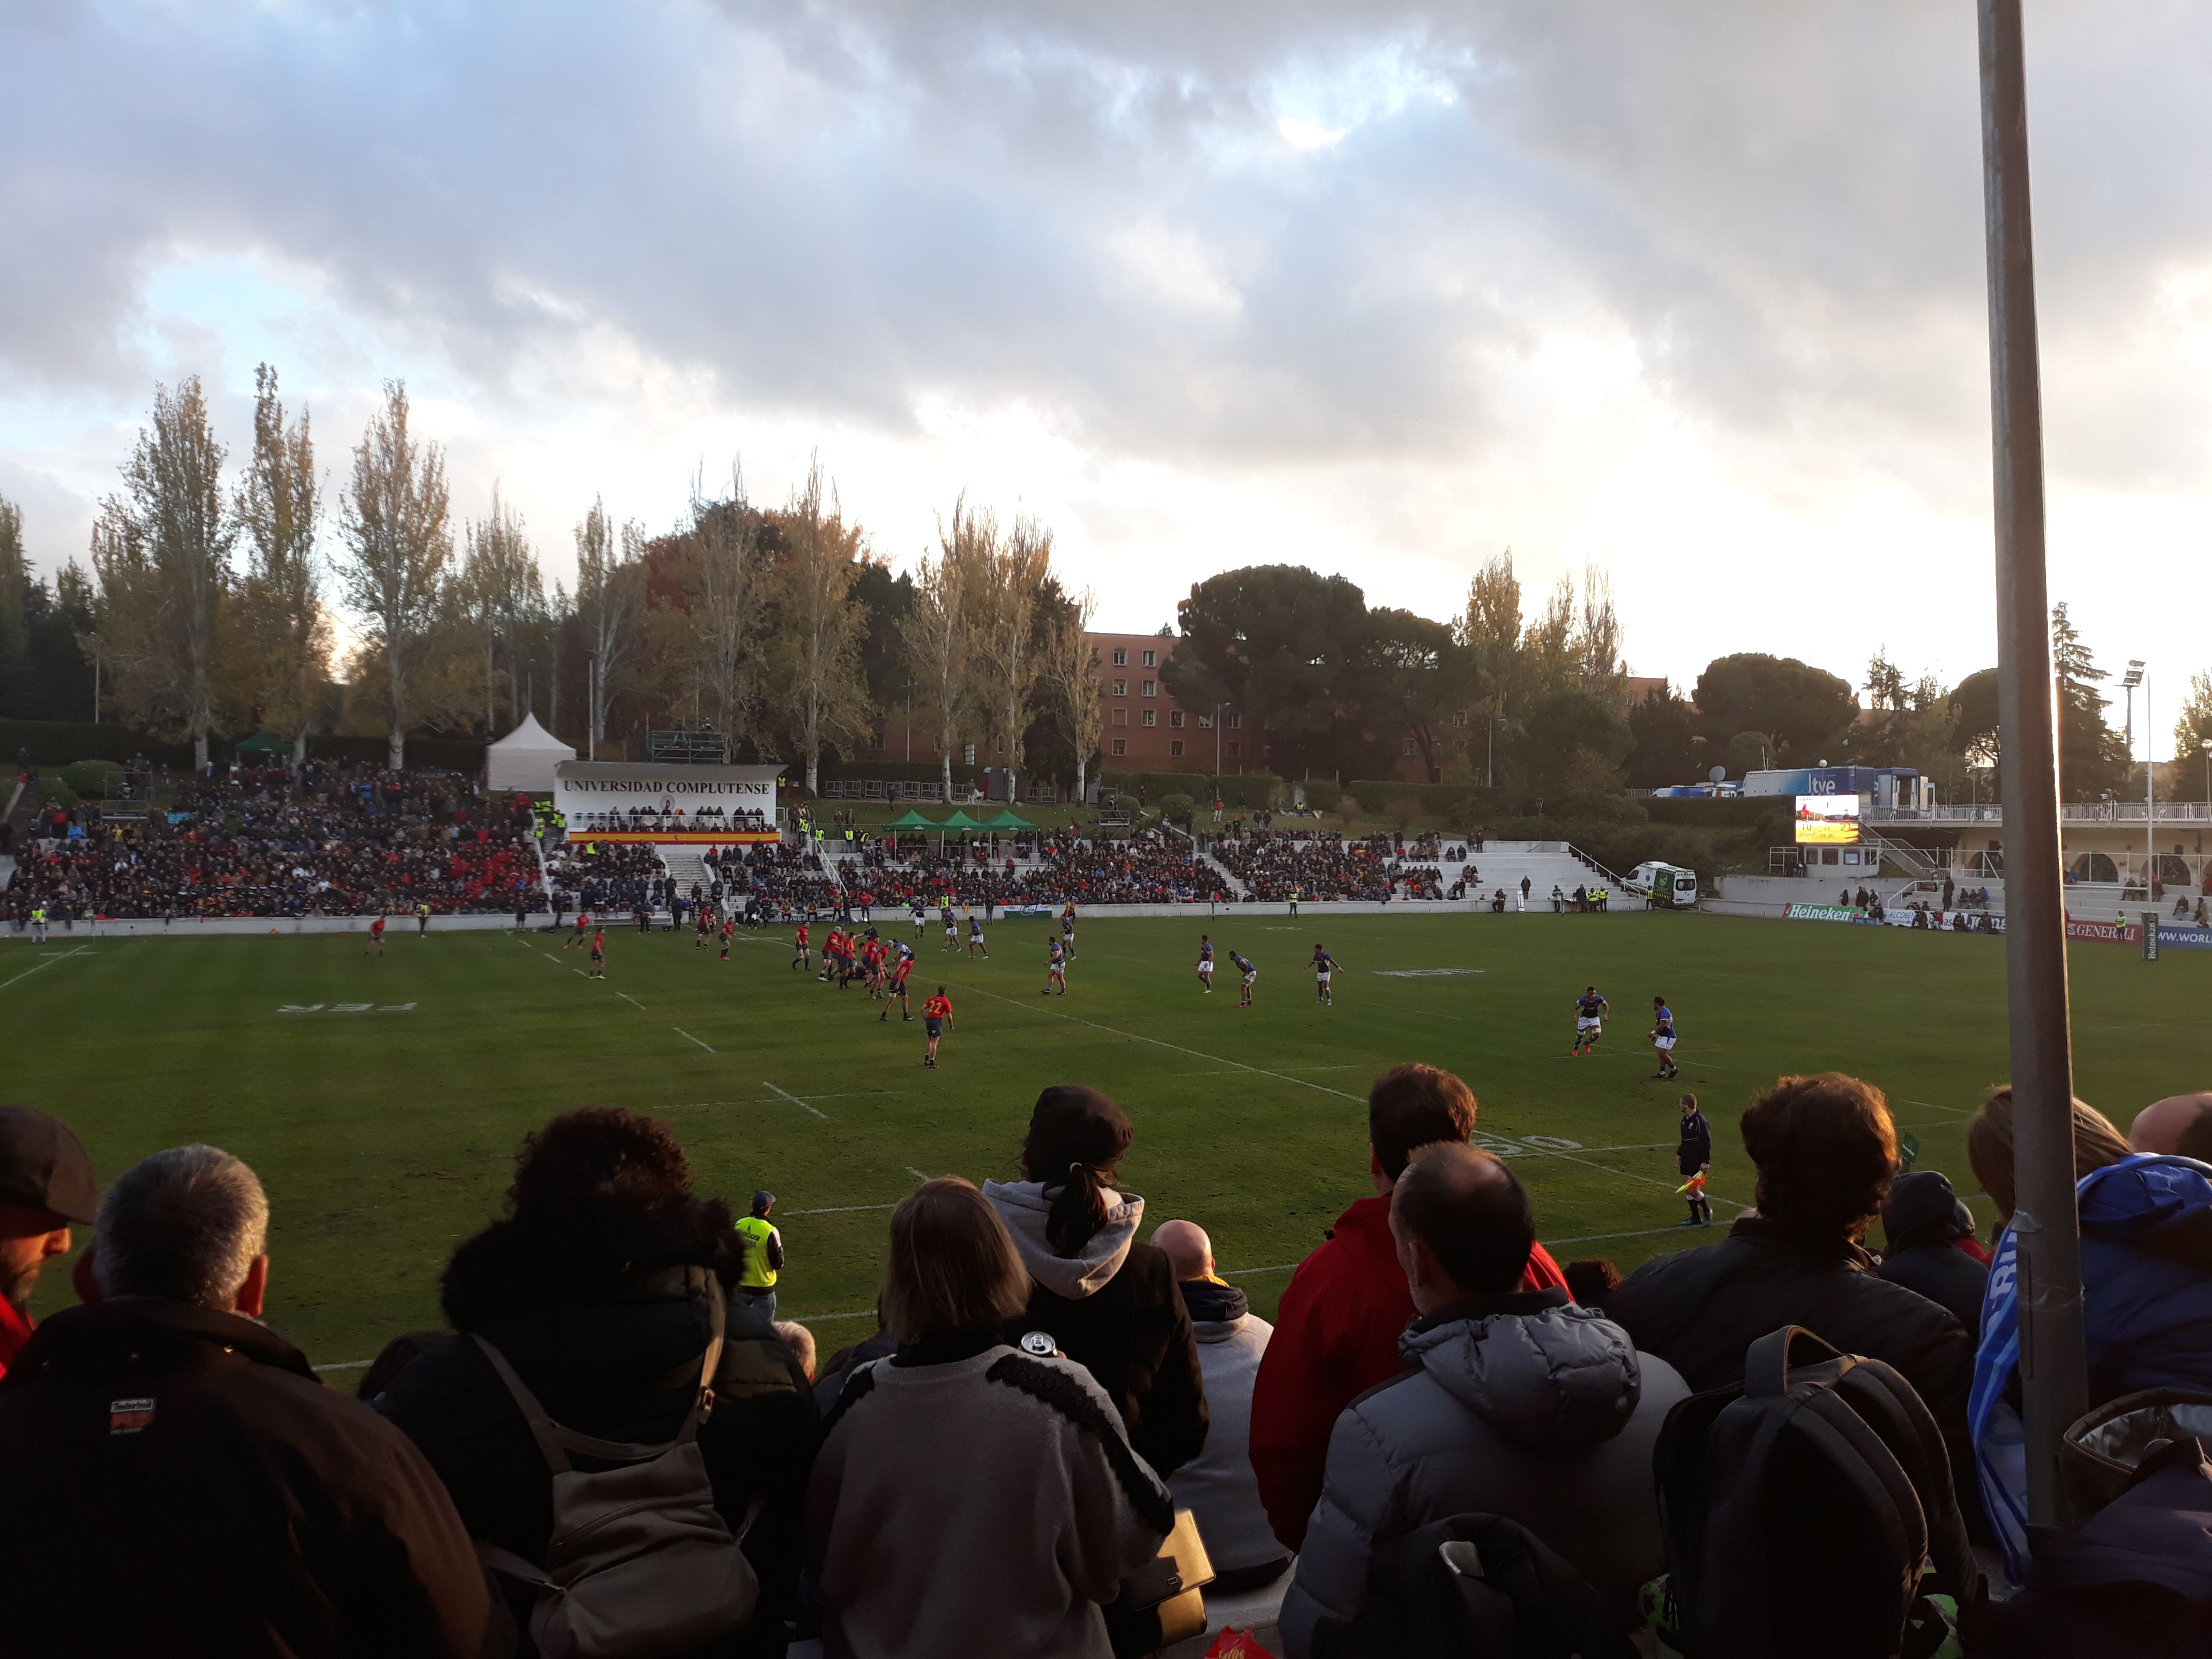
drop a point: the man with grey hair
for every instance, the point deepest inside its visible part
(181, 1469)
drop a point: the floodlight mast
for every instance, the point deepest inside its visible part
(2053, 1368)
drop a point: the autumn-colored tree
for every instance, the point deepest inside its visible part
(161, 552)
(398, 544)
(815, 646)
(285, 631)
(610, 607)
(937, 630)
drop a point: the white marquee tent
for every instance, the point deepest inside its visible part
(525, 758)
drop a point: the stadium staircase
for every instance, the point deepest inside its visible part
(1229, 883)
(688, 865)
(1546, 863)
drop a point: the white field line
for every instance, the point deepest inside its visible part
(1645, 1232)
(915, 1173)
(776, 1099)
(687, 1036)
(840, 1209)
(1159, 1042)
(632, 1000)
(62, 955)
(1956, 1111)
(1283, 1076)
(792, 1099)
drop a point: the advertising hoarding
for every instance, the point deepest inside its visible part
(647, 800)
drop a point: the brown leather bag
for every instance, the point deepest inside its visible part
(641, 1563)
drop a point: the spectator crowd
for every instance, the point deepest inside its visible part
(613, 1447)
(1275, 865)
(339, 839)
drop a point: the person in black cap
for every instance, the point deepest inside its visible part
(1105, 1298)
(45, 1184)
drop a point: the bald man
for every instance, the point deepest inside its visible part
(1517, 1403)
(1218, 1485)
(2175, 1125)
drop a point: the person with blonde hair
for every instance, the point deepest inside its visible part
(2146, 1221)
(1989, 1146)
(971, 1497)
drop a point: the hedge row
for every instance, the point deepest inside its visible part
(1244, 791)
(57, 743)
(53, 743)
(1456, 801)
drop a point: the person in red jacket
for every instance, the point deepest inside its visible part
(45, 1184)
(1337, 1329)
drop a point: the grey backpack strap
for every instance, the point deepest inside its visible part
(710, 1362)
(542, 1427)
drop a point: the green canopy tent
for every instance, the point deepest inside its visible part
(1009, 819)
(263, 742)
(912, 820)
(959, 820)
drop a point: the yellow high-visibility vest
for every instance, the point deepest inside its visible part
(757, 1230)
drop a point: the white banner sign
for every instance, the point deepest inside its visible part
(584, 789)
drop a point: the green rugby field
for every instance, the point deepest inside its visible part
(382, 1100)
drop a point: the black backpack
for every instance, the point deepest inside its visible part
(1473, 1587)
(1800, 1508)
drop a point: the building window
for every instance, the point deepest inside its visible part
(969, 755)
(1206, 722)
(1175, 718)
(1151, 687)
(1121, 657)
(1152, 717)
(997, 745)
(1235, 750)
(1151, 659)
(1175, 749)
(1121, 717)
(1459, 720)
(1121, 688)
(1408, 748)
(1233, 722)
(1121, 746)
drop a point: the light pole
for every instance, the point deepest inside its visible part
(2129, 681)
(2150, 797)
(2046, 1233)
(2207, 747)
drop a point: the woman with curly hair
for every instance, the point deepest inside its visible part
(602, 1287)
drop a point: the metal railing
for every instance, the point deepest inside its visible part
(2086, 812)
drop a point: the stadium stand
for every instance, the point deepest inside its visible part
(342, 840)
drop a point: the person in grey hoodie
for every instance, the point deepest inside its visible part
(1519, 1404)
(1218, 1486)
(1105, 1298)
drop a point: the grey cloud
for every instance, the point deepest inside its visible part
(837, 209)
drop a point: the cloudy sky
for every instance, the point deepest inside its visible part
(1690, 290)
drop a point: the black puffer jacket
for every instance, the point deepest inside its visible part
(607, 1320)
(1115, 1308)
